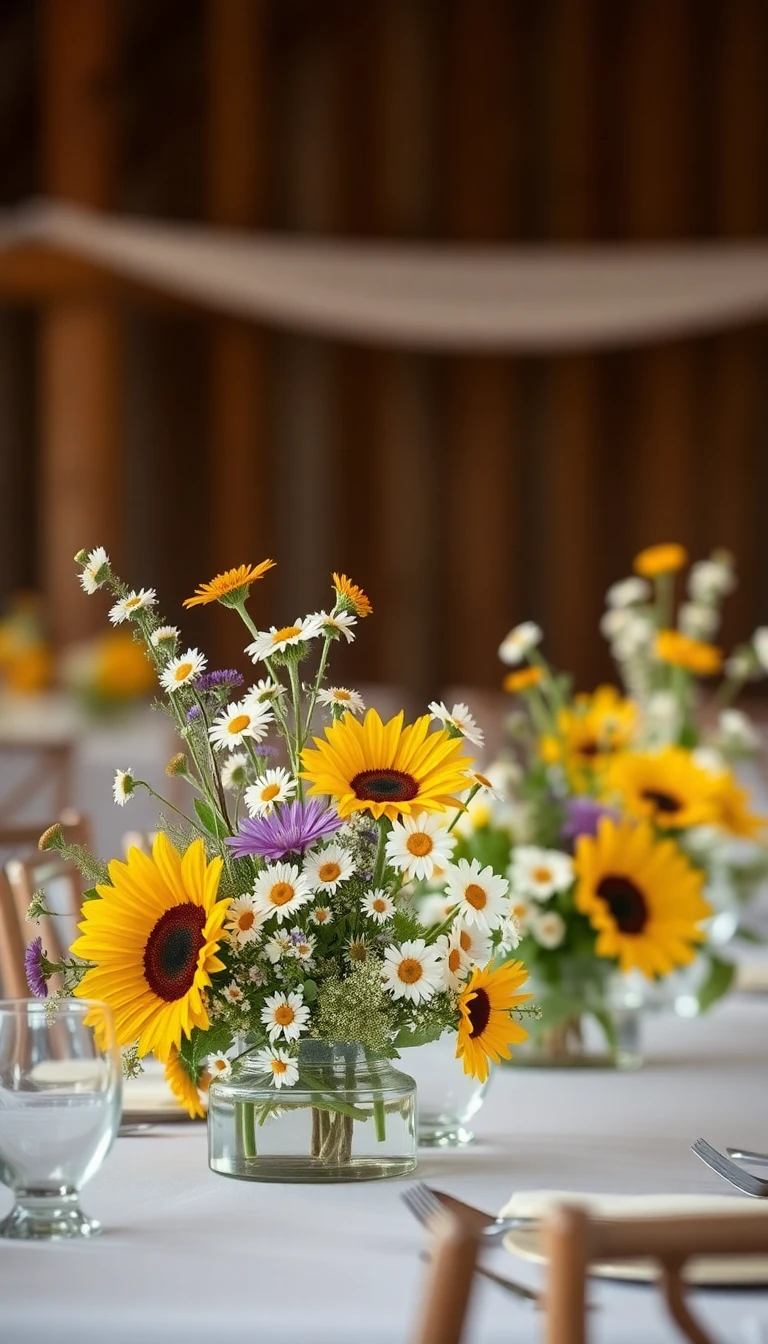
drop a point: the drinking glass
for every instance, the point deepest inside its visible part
(60, 1099)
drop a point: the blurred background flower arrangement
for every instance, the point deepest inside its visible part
(629, 843)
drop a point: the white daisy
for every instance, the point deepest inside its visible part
(760, 645)
(266, 689)
(480, 894)
(435, 908)
(127, 607)
(697, 620)
(281, 890)
(549, 929)
(95, 571)
(278, 946)
(302, 946)
(740, 666)
(519, 642)
(737, 730)
(340, 624)
(281, 1065)
(709, 580)
(456, 964)
(475, 942)
(378, 905)
(458, 718)
(614, 622)
(276, 786)
(540, 872)
(164, 634)
(243, 920)
(325, 868)
(219, 1064)
(234, 771)
(412, 971)
(339, 697)
(278, 639)
(321, 914)
(285, 1015)
(511, 934)
(416, 844)
(123, 786)
(627, 592)
(233, 993)
(243, 718)
(486, 784)
(523, 912)
(180, 671)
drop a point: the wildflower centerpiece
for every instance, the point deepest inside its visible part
(629, 844)
(269, 950)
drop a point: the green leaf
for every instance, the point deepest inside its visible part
(91, 895)
(195, 1049)
(407, 1037)
(718, 982)
(751, 936)
(310, 991)
(208, 818)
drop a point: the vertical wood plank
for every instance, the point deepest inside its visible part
(79, 344)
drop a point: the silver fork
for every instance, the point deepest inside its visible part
(425, 1203)
(437, 1210)
(722, 1165)
(745, 1155)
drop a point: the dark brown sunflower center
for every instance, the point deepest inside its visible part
(589, 749)
(385, 786)
(626, 903)
(663, 802)
(479, 1009)
(170, 956)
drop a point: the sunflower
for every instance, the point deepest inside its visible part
(486, 1027)
(656, 560)
(181, 1085)
(732, 812)
(231, 588)
(666, 787)
(386, 769)
(516, 682)
(703, 660)
(351, 597)
(153, 937)
(641, 895)
(590, 733)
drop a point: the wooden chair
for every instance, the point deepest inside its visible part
(572, 1241)
(21, 879)
(449, 1283)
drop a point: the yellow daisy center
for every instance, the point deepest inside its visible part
(379, 905)
(409, 971)
(465, 939)
(220, 1065)
(357, 950)
(270, 792)
(132, 602)
(321, 916)
(182, 671)
(281, 893)
(284, 1015)
(302, 949)
(341, 695)
(476, 896)
(542, 875)
(239, 722)
(481, 779)
(245, 920)
(419, 844)
(454, 960)
(287, 632)
(518, 909)
(278, 1066)
(329, 872)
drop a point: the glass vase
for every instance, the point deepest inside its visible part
(448, 1097)
(351, 1116)
(589, 1019)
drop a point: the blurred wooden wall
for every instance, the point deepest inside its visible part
(465, 494)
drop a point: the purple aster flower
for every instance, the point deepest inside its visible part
(193, 713)
(33, 965)
(289, 829)
(266, 750)
(211, 681)
(583, 816)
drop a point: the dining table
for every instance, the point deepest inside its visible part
(190, 1256)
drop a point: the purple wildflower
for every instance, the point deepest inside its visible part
(583, 816)
(193, 713)
(289, 829)
(298, 936)
(33, 965)
(225, 676)
(266, 750)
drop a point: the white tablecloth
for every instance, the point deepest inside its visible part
(191, 1257)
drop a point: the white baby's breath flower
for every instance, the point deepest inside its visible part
(278, 639)
(181, 671)
(127, 607)
(412, 971)
(275, 786)
(95, 571)
(378, 905)
(710, 580)
(416, 844)
(243, 719)
(234, 771)
(340, 698)
(697, 620)
(742, 664)
(281, 890)
(243, 920)
(123, 786)
(628, 592)
(325, 868)
(280, 1065)
(549, 929)
(614, 621)
(164, 634)
(458, 719)
(760, 646)
(480, 895)
(540, 872)
(338, 625)
(516, 646)
(635, 636)
(737, 730)
(285, 1015)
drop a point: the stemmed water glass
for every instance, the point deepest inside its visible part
(60, 1099)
